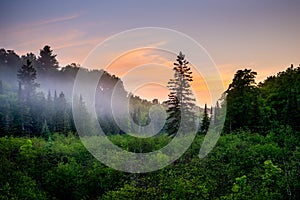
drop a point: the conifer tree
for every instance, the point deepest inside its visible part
(62, 116)
(47, 60)
(27, 76)
(27, 86)
(181, 103)
(45, 132)
(205, 121)
(216, 112)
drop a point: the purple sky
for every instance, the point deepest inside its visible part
(258, 34)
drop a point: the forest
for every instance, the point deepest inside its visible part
(42, 157)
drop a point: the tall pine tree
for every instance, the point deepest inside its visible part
(181, 103)
(48, 63)
(27, 85)
(205, 121)
(27, 76)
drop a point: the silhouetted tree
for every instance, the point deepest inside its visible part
(62, 116)
(205, 121)
(27, 76)
(47, 60)
(174, 115)
(27, 86)
(240, 99)
(9, 66)
(181, 101)
(216, 113)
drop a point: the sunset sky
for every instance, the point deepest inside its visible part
(259, 34)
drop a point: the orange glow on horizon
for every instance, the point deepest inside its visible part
(131, 65)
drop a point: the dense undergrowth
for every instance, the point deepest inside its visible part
(242, 165)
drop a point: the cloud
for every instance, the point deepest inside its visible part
(19, 30)
(56, 20)
(69, 42)
(121, 65)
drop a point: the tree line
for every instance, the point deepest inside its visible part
(35, 96)
(36, 93)
(264, 106)
(257, 157)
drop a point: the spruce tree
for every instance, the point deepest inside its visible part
(173, 120)
(27, 76)
(27, 85)
(47, 60)
(181, 103)
(216, 112)
(205, 121)
(45, 132)
(62, 119)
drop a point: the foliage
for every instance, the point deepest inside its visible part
(42, 157)
(259, 108)
(205, 121)
(241, 166)
(181, 104)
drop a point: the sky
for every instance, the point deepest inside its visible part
(259, 34)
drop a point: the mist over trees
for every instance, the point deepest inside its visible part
(42, 157)
(38, 83)
(44, 89)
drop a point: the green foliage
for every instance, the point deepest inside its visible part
(241, 95)
(205, 121)
(68, 174)
(241, 166)
(181, 103)
(240, 188)
(272, 182)
(262, 107)
(259, 159)
(47, 61)
(27, 77)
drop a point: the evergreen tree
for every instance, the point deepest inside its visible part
(27, 76)
(5, 115)
(181, 103)
(50, 113)
(173, 120)
(47, 60)
(205, 121)
(216, 112)
(84, 121)
(55, 97)
(49, 98)
(9, 65)
(45, 130)
(62, 116)
(27, 86)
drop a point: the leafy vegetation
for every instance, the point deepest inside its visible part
(243, 165)
(261, 107)
(42, 157)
